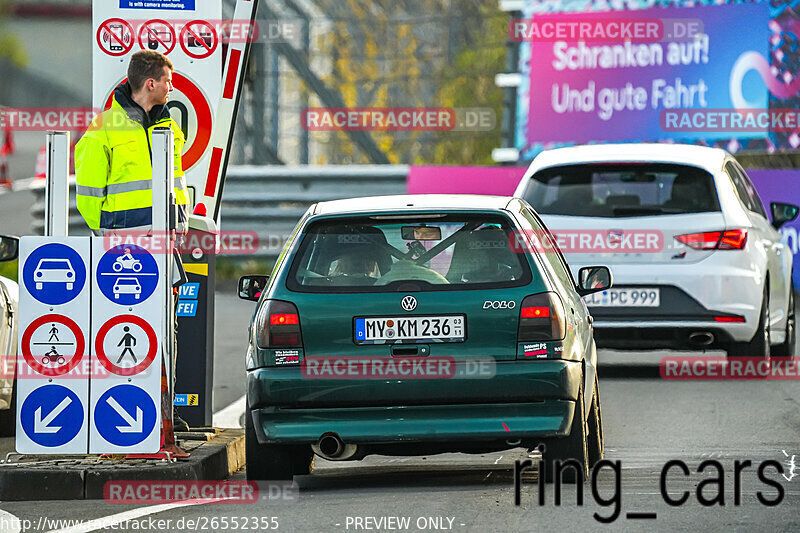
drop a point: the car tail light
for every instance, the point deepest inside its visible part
(729, 318)
(542, 318)
(278, 325)
(733, 239)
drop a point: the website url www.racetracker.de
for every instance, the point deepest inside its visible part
(148, 523)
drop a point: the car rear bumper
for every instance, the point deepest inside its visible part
(523, 399)
(661, 335)
(420, 423)
(692, 294)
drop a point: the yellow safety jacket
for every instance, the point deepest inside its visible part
(113, 165)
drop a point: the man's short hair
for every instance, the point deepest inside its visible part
(146, 64)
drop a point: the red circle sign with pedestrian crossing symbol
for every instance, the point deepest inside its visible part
(53, 345)
(115, 37)
(126, 345)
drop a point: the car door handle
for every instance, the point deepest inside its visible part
(590, 319)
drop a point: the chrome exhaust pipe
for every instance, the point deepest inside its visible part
(331, 447)
(701, 338)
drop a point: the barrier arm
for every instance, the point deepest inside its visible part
(208, 202)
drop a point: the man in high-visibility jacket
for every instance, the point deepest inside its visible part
(113, 159)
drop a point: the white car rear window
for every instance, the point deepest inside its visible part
(622, 190)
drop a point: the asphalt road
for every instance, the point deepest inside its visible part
(648, 422)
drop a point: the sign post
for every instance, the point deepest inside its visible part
(131, 323)
(52, 375)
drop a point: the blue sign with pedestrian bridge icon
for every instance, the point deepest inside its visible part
(54, 274)
(125, 415)
(51, 416)
(127, 274)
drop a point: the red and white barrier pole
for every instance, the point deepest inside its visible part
(208, 201)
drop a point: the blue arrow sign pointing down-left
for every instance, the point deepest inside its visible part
(51, 415)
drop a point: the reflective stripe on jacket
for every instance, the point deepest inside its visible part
(113, 165)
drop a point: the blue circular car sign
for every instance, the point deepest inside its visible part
(125, 415)
(127, 274)
(51, 415)
(54, 274)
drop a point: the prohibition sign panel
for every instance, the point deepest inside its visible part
(138, 332)
(199, 39)
(196, 147)
(57, 360)
(158, 35)
(115, 37)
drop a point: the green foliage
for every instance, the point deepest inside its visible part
(426, 53)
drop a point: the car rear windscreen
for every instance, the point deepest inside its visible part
(425, 252)
(622, 190)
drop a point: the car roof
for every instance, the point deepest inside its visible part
(412, 202)
(705, 157)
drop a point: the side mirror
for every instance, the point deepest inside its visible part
(9, 248)
(594, 279)
(782, 213)
(250, 287)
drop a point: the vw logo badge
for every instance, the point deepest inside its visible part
(408, 303)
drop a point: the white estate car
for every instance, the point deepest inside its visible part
(695, 259)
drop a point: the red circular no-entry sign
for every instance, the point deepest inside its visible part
(202, 110)
(74, 359)
(115, 37)
(199, 39)
(152, 347)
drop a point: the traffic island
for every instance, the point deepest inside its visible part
(213, 455)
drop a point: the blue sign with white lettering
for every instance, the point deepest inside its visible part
(189, 291)
(125, 415)
(54, 274)
(51, 415)
(127, 274)
(180, 5)
(186, 308)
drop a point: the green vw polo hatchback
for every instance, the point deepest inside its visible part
(410, 325)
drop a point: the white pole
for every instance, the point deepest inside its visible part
(163, 226)
(56, 193)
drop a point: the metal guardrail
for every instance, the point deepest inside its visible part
(270, 199)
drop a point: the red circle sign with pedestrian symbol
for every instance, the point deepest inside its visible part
(126, 345)
(158, 35)
(199, 39)
(53, 345)
(196, 143)
(115, 37)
